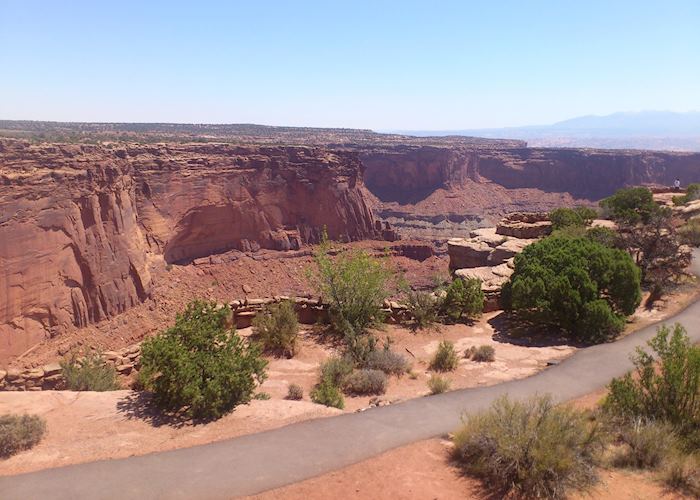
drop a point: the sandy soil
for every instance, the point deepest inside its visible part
(423, 470)
(88, 426)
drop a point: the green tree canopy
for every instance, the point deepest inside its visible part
(201, 366)
(631, 205)
(576, 284)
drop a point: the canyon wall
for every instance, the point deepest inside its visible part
(79, 223)
(71, 250)
(407, 174)
(443, 192)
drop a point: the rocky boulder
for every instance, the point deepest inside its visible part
(525, 225)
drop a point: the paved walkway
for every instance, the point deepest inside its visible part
(258, 462)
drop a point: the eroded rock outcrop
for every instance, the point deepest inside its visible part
(71, 250)
(79, 222)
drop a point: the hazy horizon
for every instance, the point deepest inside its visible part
(401, 66)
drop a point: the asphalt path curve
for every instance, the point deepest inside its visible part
(257, 462)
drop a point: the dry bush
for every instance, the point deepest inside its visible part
(366, 382)
(529, 449)
(20, 432)
(445, 358)
(682, 473)
(295, 392)
(438, 384)
(645, 445)
(388, 361)
(484, 354)
(278, 328)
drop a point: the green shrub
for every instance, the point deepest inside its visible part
(566, 217)
(335, 370)
(262, 396)
(20, 432)
(90, 373)
(645, 444)
(438, 384)
(445, 358)
(575, 284)
(463, 299)
(354, 285)
(365, 382)
(669, 393)
(277, 327)
(423, 308)
(327, 394)
(631, 205)
(201, 366)
(682, 473)
(388, 361)
(689, 234)
(484, 354)
(295, 392)
(530, 449)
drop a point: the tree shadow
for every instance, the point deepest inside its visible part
(511, 329)
(141, 406)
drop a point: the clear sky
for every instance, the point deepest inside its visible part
(375, 64)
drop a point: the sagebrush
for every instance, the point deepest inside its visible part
(277, 328)
(438, 384)
(445, 358)
(365, 382)
(295, 392)
(530, 449)
(20, 432)
(388, 361)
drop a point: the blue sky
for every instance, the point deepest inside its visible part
(381, 65)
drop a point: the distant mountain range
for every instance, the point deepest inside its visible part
(660, 130)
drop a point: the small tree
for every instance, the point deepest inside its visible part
(355, 285)
(277, 327)
(566, 217)
(630, 205)
(463, 299)
(657, 250)
(670, 393)
(200, 365)
(575, 284)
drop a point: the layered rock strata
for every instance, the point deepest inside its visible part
(79, 223)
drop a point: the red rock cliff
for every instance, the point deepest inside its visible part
(79, 222)
(409, 174)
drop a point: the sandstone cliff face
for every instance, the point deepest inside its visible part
(194, 201)
(79, 223)
(71, 251)
(408, 174)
